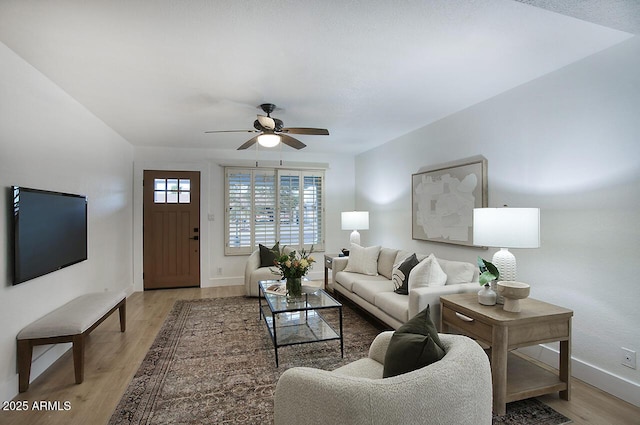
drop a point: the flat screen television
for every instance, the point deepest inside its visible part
(50, 231)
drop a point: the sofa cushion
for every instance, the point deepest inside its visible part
(427, 273)
(368, 288)
(457, 271)
(347, 279)
(386, 260)
(363, 260)
(267, 255)
(413, 345)
(400, 275)
(395, 305)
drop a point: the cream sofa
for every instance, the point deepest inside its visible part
(253, 273)
(455, 390)
(375, 293)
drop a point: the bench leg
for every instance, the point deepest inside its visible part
(25, 351)
(78, 357)
(123, 316)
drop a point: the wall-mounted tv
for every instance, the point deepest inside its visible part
(50, 231)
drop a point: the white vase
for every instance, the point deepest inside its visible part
(487, 296)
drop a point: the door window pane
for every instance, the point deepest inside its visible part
(172, 191)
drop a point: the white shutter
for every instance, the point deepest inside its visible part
(264, 202)
(263, 206)
(238, 217)
(289, 207)
(313, 208)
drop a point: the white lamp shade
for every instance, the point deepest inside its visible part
(268, 140)
(506, 227)
(355, 220)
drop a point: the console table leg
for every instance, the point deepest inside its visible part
(565, 366)
(499, 369)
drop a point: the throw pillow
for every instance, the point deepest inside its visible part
(427, 273)
(422, 324)
(414, 345)
(409, 352)
(457, 271)
(401, 273)
(268, 256)
(363, 260)
(386, 260)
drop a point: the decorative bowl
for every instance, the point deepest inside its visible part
(513, 292)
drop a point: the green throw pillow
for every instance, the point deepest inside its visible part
(267, 255)
(408, 352)
(413, 345)
(422, 324)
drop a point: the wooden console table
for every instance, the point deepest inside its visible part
(538, 322)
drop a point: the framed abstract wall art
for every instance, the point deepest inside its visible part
(443, 198)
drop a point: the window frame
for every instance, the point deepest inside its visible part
(248, 198)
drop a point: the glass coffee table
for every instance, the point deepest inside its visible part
(299, 322)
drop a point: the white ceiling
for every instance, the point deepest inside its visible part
(161, 72)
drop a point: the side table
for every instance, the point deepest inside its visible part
(537, 322)
(328, 264)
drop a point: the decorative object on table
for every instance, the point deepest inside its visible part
(293, 267)
(506, 228)
(355, 220)
(489, 274)
(513, 292)
(443, 199)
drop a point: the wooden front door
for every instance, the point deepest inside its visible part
(171, 229)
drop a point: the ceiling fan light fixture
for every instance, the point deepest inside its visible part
(268, 140)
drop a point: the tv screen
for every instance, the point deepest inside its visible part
(50, 231)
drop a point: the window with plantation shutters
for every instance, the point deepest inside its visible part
(267, 205)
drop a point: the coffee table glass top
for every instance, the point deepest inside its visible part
(312, 299)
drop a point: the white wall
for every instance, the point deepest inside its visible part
(49, 141)
(568, 143)
(339, 192)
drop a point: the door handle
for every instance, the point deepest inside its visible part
(195, 238)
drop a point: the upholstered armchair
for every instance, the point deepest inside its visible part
(453, 390)
(253, 272)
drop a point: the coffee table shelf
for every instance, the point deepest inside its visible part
(300, 322)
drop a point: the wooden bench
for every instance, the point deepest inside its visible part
(71, 322)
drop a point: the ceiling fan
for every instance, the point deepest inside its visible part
(272, 131)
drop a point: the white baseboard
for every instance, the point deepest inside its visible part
(592, 375)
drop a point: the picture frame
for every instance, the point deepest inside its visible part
(443, 198)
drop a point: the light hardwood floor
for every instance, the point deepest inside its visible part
(112, 358)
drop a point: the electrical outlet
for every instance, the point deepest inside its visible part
(219, 271)
(628, 358)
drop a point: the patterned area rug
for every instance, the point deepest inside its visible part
(213, 362)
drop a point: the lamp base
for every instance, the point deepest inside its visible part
(505, 261)
(355, 237)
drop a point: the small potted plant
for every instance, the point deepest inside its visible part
(488, 274)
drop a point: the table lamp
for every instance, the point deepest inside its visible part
(355, 220)
(506, 228)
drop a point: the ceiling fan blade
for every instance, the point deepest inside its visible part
(306, 130)
(267, 122)
(232, 131)
(290, 141)
(248, 143)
